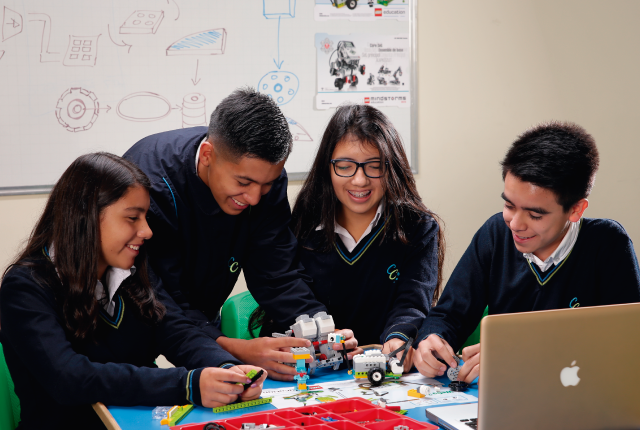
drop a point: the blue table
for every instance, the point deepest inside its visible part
(139, 417)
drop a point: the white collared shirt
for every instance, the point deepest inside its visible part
(561, 251)
(349, 242)
(114, 277)
(198, 153)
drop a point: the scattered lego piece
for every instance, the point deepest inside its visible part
(240, 405)
(402, 412)
(414, 393)
(458, 386)
(328, 419)
(428, 390)
(214, 426)
(401, 428)
(176, 414)
(393, 408)
(254, 376)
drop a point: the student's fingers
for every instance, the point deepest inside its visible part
(217, 400)
(356, 351)
(430, 348)
(469, 367)
(279, 376)
(287, 342)
(443, 350)
(408, 361)
(281, 356)
(350, 342)
(470, 351)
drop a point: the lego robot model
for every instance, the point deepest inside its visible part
(395, 80)
(346, 65)
(371, 80)
(376, 366)
(320, 331)
(350, 4)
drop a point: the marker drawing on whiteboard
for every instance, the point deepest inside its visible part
(142, 22)
(77, 109)
(297, 131)
(117, 44)
(1, 54)
(272, 9)
(82, 51)
(208, 42)
(194, 111)
(280, 86)
(11, 23)
(196, 80)
(45, 55)
(143, 106)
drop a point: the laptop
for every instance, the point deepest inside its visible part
(559, 369)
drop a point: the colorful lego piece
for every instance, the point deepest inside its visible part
(176, 414)
(414, 393)
(240, 405)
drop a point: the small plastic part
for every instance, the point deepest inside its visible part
(240, 405)
(452, 373)
(415, 393)
(458, 386)
(176, 414)
(160, 412)
(393, 408)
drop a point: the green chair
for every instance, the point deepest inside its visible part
(235, 315)
(9, 403)
(475, 336)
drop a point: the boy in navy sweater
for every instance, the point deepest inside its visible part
(539, 254)
(218, 206)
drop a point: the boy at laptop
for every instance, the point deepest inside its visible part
(538, 254)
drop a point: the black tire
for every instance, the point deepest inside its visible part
(351, 4)
(376, 376)
(339, 83)
(354, 80)
(362, 69)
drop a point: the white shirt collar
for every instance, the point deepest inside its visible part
(561, 251)
(349, 242)
(198, 153)
(114, 277)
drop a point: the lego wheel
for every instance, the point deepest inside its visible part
(362, 69)
(354, 80)
(339, 83)
(351, 4)
(375, 376)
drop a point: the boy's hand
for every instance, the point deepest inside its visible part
(471, 368)
(393, 344)
(217, 386)
(253, 392)
(425, 357)
(350, 342)
(266, 352)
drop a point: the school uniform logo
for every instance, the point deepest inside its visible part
(234, 266)
(574, 303)
(393, 272)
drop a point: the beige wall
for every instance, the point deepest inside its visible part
(488, 70)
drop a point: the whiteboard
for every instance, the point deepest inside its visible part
(79, 76)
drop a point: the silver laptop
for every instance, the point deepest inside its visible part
(561, 369)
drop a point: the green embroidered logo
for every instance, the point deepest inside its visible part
(574, 303)
(393, 273)
(233, 265)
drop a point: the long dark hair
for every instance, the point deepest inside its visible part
(71, 223)
(317, 203)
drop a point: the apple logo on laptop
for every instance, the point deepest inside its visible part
(569, 375)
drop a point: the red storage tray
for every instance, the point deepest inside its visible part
(308, 418)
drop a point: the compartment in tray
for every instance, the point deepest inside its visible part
(348, 405)
(306, 421)
(317, 427)
(410, 423)
(257, 419)
(311, 410)
(287, 415)
(371, 416)
(200, 426)
(333, 417)
(345, 425)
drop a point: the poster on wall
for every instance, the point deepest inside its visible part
(362, 68)
(362, 10)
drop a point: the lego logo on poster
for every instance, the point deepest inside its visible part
(314, 387)
(378, 12)
(394, 12)
(367, 100)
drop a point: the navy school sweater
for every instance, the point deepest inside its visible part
(383, 288)
(197, 250)
(57, 377)
(601, 269)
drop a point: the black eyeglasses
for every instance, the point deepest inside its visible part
(348, 168)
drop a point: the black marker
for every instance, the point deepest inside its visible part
(254, 379)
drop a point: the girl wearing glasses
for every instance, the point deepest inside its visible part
(81, 322)
(372, 247)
